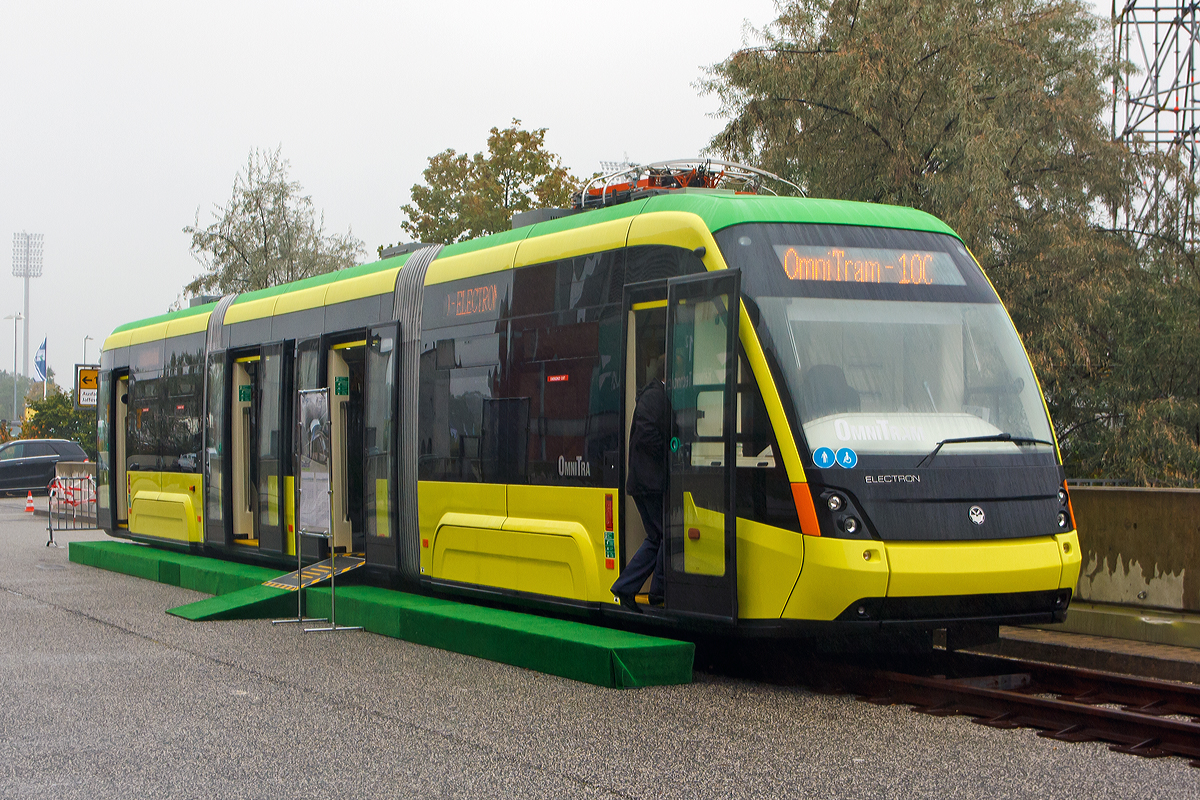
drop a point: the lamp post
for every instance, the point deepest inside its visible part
(17, 317)
(86, 339)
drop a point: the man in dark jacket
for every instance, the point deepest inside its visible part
(647, 482)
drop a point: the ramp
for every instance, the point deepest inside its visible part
(239, 589)
(315, 573)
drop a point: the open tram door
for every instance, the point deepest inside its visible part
(359, 369)
(702, 316)
(259, 442)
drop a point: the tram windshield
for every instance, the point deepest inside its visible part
(890, 341)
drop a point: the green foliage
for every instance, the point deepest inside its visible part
(990, 117)
(56, 418)
(468, 196)
(6, 399)
(269, 233)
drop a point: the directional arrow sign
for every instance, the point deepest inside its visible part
(87, 385)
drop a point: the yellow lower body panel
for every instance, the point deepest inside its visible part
(768, 561)
(924, 569)
(518, 560)
(836, 573)
(164, 515)
(166, 505)
(1072, 560)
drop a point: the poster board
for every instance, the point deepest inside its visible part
(313, 515)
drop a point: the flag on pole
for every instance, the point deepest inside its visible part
(39, 362)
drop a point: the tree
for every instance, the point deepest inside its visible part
(989, 117)
(6, 399)
(464, 197)
(267, 234)
(56, 418)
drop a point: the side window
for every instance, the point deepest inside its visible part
(459, 379)
(658, 262)
(520, 383)
(182, 404)
(38, 449)
(142, 421)
(13, 451)
(463, 352)
(564, 367)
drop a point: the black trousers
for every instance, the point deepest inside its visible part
(649, 557)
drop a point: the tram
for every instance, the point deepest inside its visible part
(858, 442)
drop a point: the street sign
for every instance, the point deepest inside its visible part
(87, 386)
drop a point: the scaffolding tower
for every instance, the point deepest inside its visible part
(1156, 105)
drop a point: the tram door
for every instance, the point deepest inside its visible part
(380, 426)
(272, 442)
(243, 421)
(346, 368)
(118, 465)
(645, 348)
(701, 372)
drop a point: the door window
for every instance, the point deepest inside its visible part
(379, 434)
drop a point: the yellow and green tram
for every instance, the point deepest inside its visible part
(858, 441)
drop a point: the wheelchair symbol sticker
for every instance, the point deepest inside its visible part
(823, 457)
(847, 458)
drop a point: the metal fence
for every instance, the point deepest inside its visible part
(72, 505)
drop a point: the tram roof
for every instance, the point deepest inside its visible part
(718, 209)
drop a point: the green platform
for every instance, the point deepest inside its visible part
(587, 653)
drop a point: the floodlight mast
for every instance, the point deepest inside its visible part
(27, 263)
(15, 318)
(1156, 104)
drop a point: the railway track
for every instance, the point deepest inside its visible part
(1140, 716)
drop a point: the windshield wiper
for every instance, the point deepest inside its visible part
(996, 437)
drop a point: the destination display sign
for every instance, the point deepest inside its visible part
(868, 265)
(465, 301)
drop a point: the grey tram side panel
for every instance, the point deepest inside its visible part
(409, 295)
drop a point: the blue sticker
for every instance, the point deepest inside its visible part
(847, 458)
(823, 457)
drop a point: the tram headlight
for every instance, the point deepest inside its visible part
(850, 525)
(1062, 519)
(835, 502)
(1062, 497)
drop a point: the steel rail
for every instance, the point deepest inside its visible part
(1010, 701)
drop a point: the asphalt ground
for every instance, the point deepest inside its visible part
(107, 696)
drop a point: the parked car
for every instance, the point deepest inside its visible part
(28, 464)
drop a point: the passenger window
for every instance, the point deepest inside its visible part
(12, 451)
(659, 262)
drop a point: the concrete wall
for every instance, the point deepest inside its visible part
(1141, 547)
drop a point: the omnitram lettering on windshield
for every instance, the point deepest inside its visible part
(881, 431)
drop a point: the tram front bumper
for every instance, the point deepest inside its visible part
(872, 581)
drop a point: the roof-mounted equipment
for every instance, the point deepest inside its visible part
(635, 181)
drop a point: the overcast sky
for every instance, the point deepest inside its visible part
(120, 120)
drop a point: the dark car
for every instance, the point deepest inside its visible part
(28, 464)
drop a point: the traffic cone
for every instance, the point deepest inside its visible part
(29, 502)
